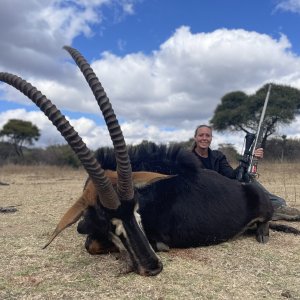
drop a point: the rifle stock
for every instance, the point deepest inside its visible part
(242, 173)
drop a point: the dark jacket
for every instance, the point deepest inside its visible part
(219, 163)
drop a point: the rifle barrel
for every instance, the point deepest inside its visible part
(259, 129)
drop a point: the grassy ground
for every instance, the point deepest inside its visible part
(240, 269)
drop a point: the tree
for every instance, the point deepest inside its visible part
(239, 111)
(19, 133)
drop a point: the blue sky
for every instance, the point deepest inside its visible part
(155, 21)
(164, 64)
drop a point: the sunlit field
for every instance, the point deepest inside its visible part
(239, 269)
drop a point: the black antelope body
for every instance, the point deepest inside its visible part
(189, 207)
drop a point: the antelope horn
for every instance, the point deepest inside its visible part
(108, 196)
(125, 184)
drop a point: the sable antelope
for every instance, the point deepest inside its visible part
(195, 207)
(187, 206)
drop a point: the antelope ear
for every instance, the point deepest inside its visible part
(88, 198)
(141, 179)
(112, 176)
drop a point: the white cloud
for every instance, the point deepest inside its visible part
(96, 136)
(92, 134)
(184, 80)
(33, 32)
(289, 5)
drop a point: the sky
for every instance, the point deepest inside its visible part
(164, 64)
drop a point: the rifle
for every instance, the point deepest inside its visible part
(247, 169)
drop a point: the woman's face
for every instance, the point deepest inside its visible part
(203, 137)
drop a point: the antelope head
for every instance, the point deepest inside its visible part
(117, 200)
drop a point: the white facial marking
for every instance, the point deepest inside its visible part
(117, 242)
(119, 227)
(138, 216)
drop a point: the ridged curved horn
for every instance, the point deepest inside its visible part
(125, 184)
(108, 196)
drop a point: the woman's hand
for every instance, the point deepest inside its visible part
(259, 153)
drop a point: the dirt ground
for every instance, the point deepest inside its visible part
(239, 269)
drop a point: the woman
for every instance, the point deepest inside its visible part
(216, 160)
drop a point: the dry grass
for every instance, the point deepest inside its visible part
(240, 269)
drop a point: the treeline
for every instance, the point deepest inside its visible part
(59, 155)
(287, 150)
(283, 149)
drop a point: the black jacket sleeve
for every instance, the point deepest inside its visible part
(222, 166)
